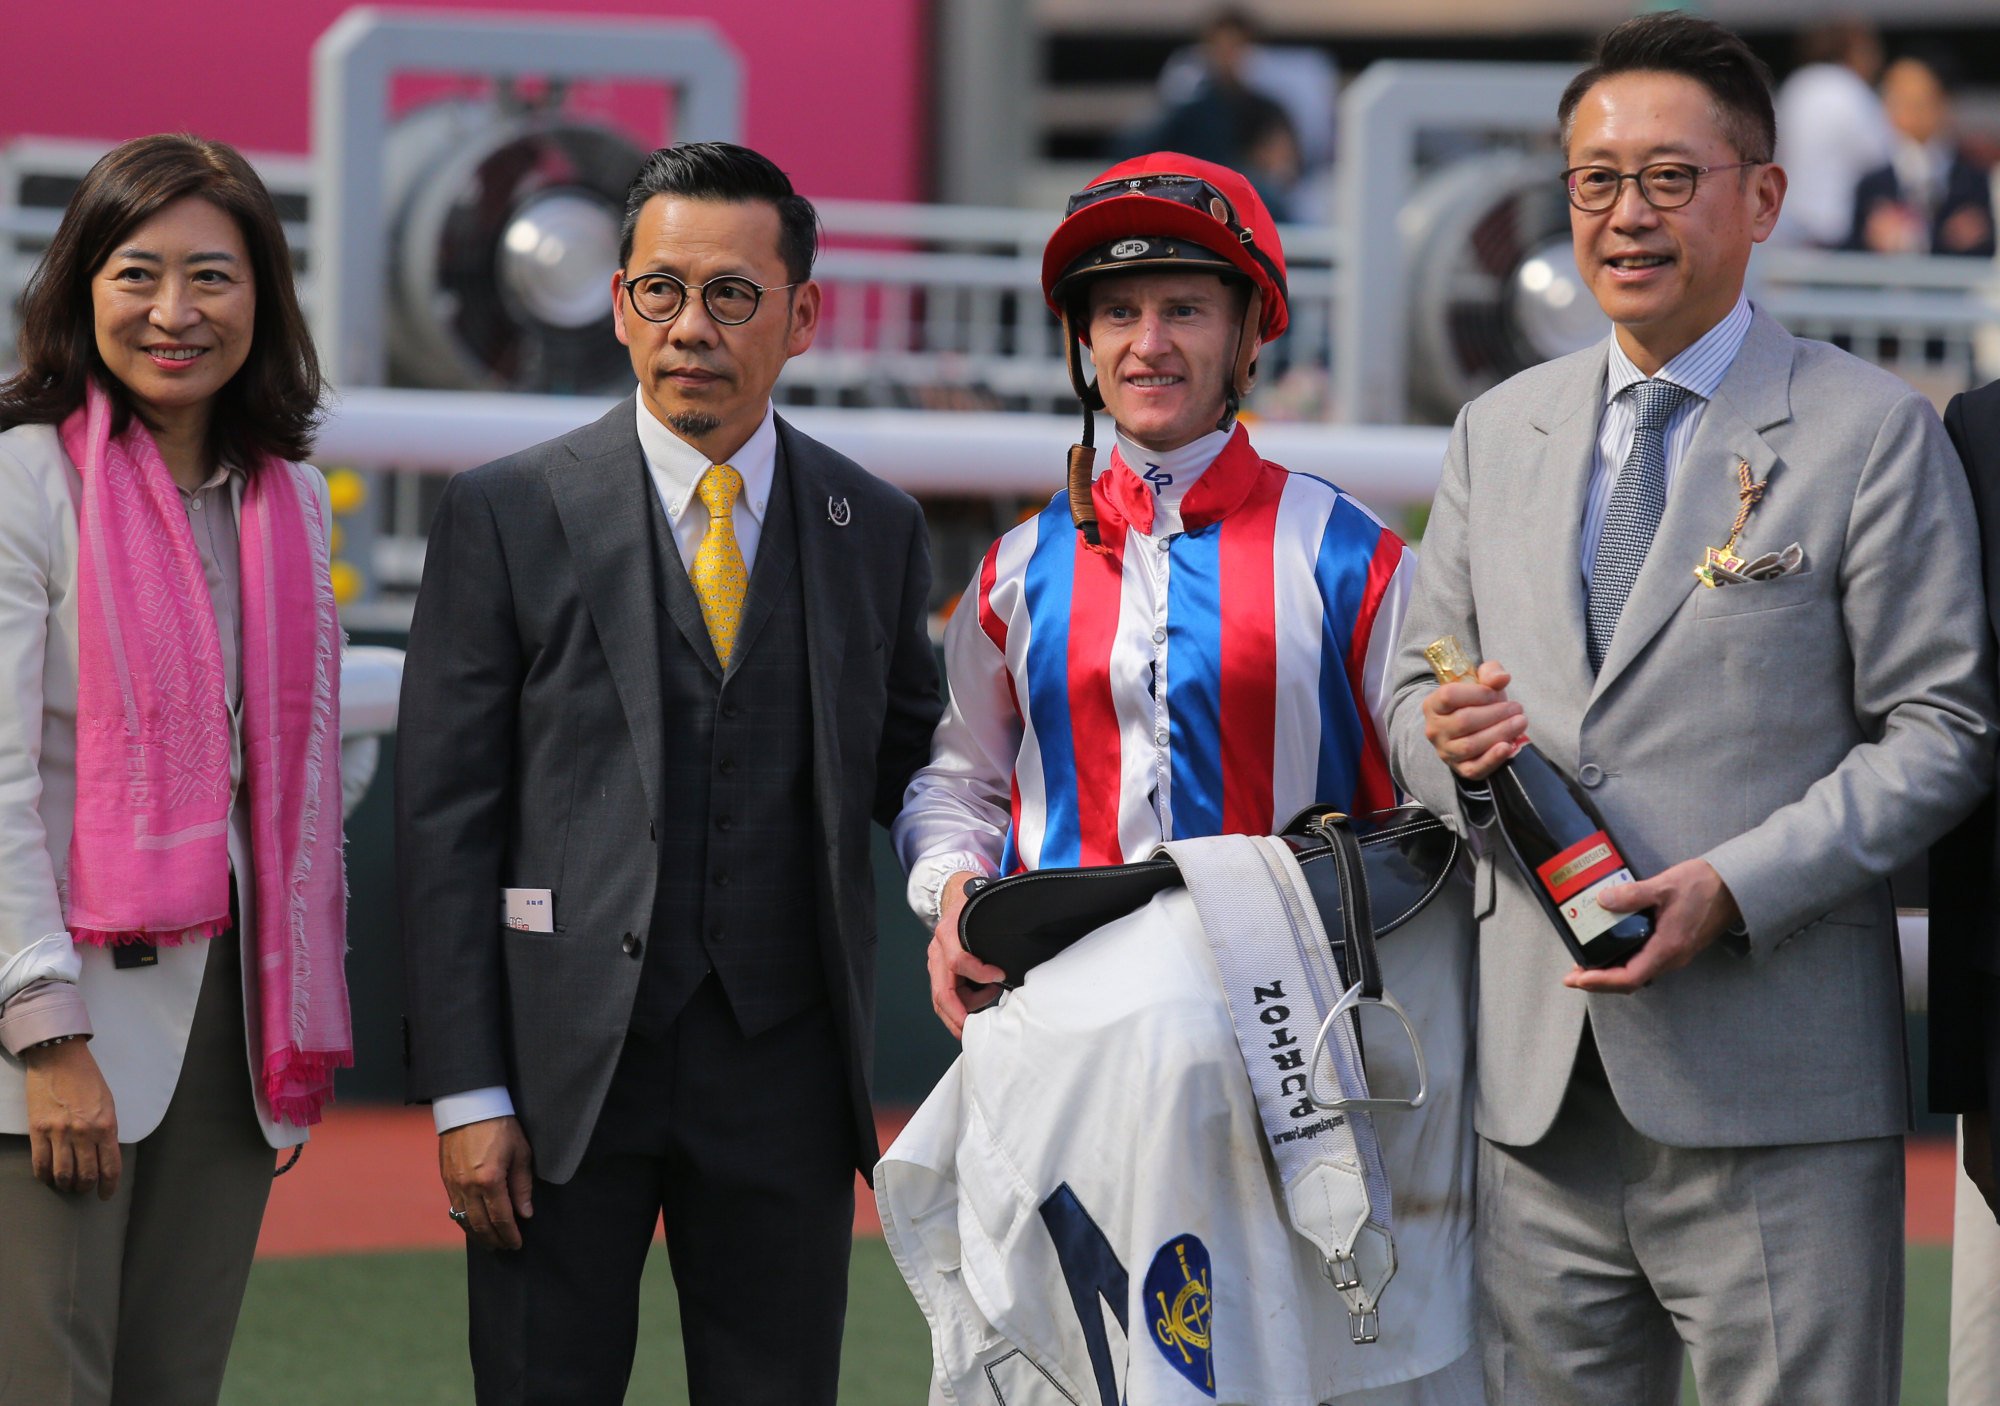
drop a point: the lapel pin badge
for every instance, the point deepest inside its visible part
(838, 513)
(1723, 559)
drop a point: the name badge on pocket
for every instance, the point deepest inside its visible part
(528, 910)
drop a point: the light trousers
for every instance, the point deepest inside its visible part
(1603, 1256)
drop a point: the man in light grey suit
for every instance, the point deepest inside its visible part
(1701, 1148)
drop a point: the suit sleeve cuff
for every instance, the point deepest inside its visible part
(473, 1106)
(46, 1010)
(1761, 926)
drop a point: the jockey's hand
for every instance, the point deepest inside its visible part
(960, 982)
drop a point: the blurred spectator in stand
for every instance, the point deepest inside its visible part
(1221, 102)
(1928, 198)
(1831, 129)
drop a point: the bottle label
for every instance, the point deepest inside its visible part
(1575, 877)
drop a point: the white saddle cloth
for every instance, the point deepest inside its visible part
(1084, 1210)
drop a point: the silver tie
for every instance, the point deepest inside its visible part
(1637, 502)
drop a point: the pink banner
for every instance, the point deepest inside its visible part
(835, 94)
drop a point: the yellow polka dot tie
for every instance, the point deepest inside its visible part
(720, 581)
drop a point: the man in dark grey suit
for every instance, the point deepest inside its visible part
(1699, 1151)
(1965, 867)
(663, 671)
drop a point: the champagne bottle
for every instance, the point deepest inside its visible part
(1558, 839)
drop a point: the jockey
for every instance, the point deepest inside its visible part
(1193, 642)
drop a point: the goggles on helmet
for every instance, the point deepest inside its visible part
(1190, 191)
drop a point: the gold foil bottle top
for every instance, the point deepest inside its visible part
(1449, 661)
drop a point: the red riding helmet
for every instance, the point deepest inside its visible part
(1153, 214)
(1163, 211)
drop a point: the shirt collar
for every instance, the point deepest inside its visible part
(1920, 167)
(224, 474)
(677, 466)
(1225, 482)
(1175, 470)
(1700, 366)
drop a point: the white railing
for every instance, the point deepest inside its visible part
(940, 307)
(934, 326)
(1935, 321)
(404, 440)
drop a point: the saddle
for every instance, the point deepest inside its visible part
(1354, 883)
(1382, 868)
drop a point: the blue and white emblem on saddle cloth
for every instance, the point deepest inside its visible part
(1180, 1308)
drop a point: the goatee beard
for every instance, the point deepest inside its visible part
(694, 424)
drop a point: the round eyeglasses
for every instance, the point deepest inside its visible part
(730, 300)
(1664, 185)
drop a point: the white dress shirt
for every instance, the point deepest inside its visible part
(676, 468)
(1700, 368)
(1923, 172)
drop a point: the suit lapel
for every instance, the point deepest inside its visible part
(825, 576)
(1754, 395)
(603, 499)
(1554, 496)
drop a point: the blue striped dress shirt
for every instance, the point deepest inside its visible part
(1700, 368)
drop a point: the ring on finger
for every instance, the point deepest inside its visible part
(459, 1217)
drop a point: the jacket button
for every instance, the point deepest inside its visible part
(727, 766)
(722, 881)
(632, 945)
(729, 709)
(715, 934)
(724, 823)
(1590, 774)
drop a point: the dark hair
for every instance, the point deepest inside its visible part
(271, 405)
(1836, 40)
(726, 171)
(1231, 17)
(1738, 82)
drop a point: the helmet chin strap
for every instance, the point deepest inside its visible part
(1243, 376)
(1082, 456)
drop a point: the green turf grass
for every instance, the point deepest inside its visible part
(389, 1330)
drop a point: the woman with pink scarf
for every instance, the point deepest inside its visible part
(172, 903)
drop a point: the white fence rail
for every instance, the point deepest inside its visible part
(939, 307)
(934, 309)
(404, 439)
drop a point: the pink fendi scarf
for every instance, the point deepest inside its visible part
(149, 859)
